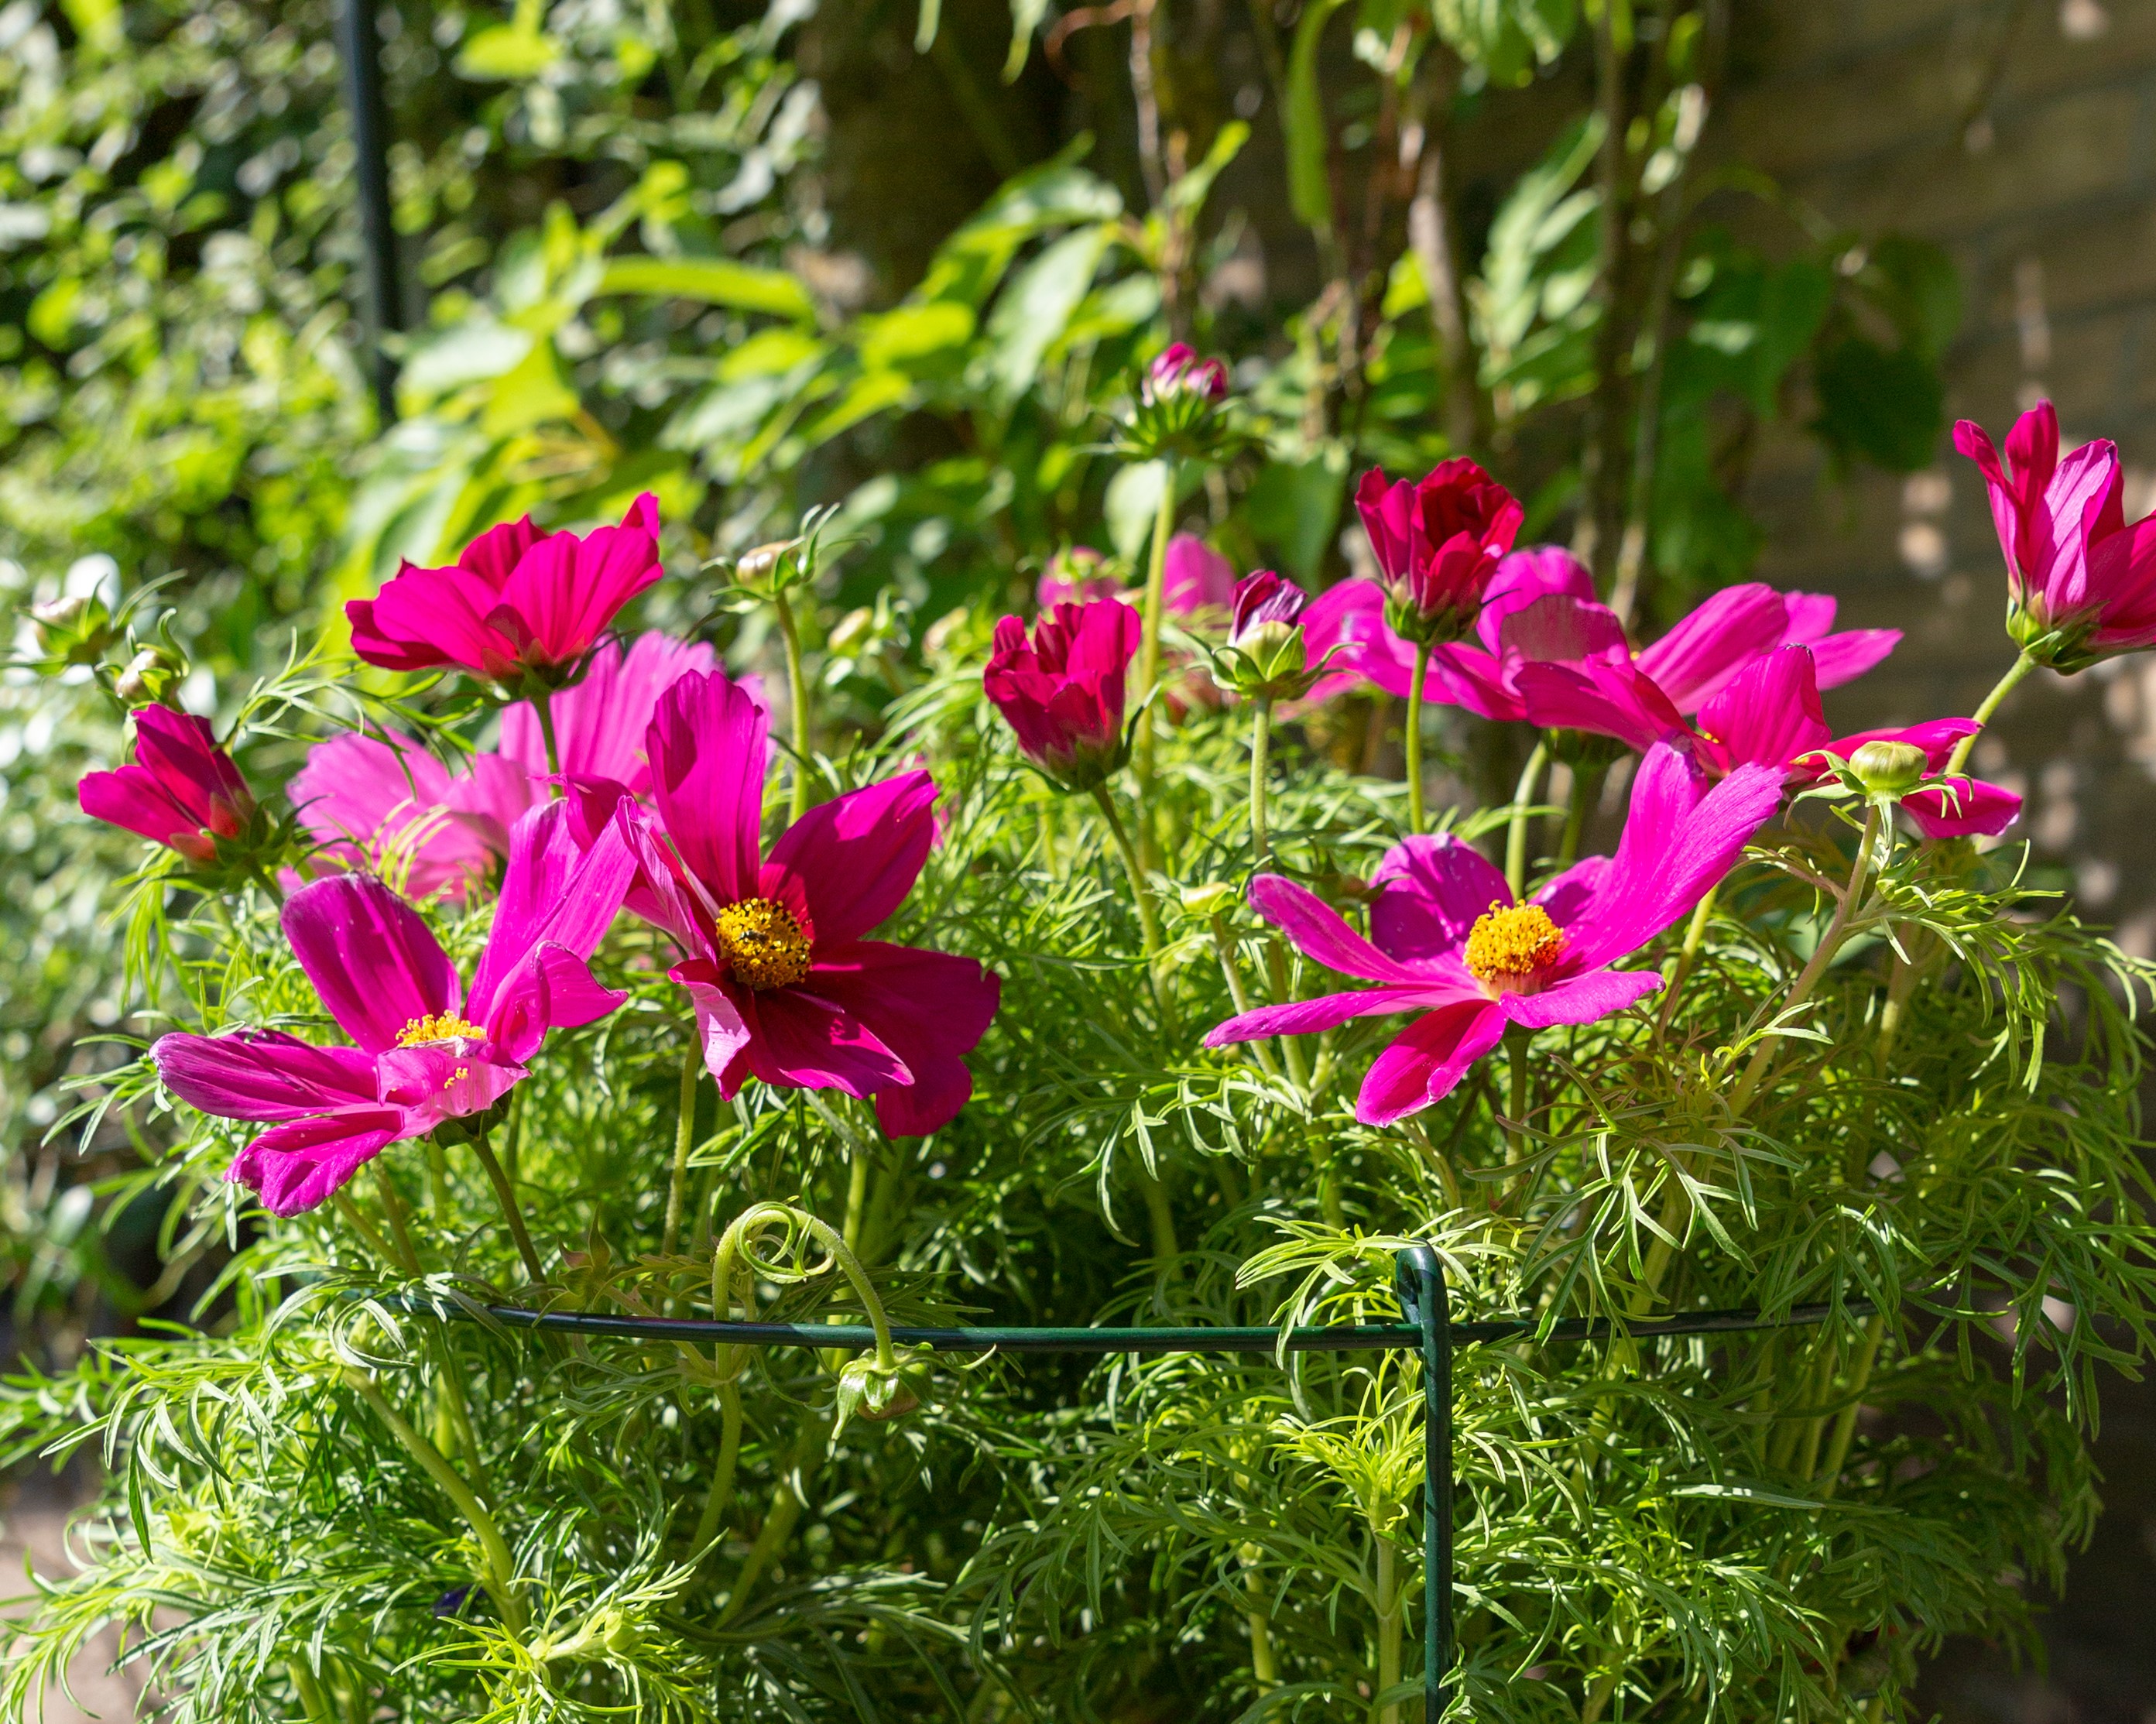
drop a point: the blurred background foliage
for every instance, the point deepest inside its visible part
(842, 254)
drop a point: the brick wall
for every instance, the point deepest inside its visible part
(2021, 135)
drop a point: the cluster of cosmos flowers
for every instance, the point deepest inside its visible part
(628, 777)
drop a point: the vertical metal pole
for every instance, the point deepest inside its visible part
(1418, 1277)
(360, 44)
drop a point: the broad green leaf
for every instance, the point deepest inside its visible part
(532, 394)
(1132, 502)
(1309, 191)
(771, 351)
(1294, 508)
(1793, 303)
(470, 352)
(1884, 403)
(893, 338)
(1541, 225)
(503, 52)
(870, 394)
(1037, 306)
(1188, 194)
(1916, 285)
(716, 281)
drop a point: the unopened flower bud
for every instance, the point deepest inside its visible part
(1891, 769)
(151, 677)
(1212, 898)
(74, 630)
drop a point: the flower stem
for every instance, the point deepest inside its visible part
(722, 1475)
(684, 1138)
(1586, 791)
(786, 1506)
(542, 703)
(364, 1229)
(1999, 690)
(1845, 1425)
(1156, 602)
(393, 1207)
(1823, 955)
(507, 1196)
(1695, 935)
(1261, 733)
(797, 694)
(1264, 1673)
(438, 1183)
(1389, 1625)
(1413, 735)
(500, 1570)
(1515, 833)
(1149, 913)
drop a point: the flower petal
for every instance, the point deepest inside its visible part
(1427, 1060)
(1581, 999)
(1696, 659)
(438, 1082)
(370, 958)
(800, 1042)
(262, 1074)
(707, 749)
(930, 1009)
(1328, 1011)
(1429, 892)
(1966, 808)
(858, 855)
(720, 1029)
(131, 798)
(600, 722)
(293, 1167)
(1318, 932)
(427, 617)
(555, 894)
(1769, 714)
(567, 589)
(1611, 699)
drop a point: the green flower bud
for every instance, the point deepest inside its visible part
(1214, 897)
(72, 631)
(1889, 769)
(151, 677)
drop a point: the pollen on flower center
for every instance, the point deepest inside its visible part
(1513, 942)
(763, 943)
(439, 1027)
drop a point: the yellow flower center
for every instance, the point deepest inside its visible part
(439, 1027)
(1513, 942)
(760, 939)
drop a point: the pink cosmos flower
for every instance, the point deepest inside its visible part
(427, 1049)
(1438, 542)
(1179, 371)
(786, 986)
(1195, 577)
(1074, 576)
(518, 606)
(1449, 943)
(2073, 566)
(1769, 714)
(1540, 608)
(181, 789)
(1263, 599)
(1063, 691)
(367, 800)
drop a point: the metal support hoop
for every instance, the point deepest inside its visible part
(359, 43)
(1419, 1283)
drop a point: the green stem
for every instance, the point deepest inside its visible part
(311, 1700)
(722, 1475)
(1586, 791)
(393, 1207)
(452, 1387)
(757, 1217)
(796, 692)
(542, 703)
(1999, 690)
(1845, 1425)
(438, 1183)
(1264, 1674)
(1695, 935)
(1262, 732)
(264, 879)
(511, 1213)
(512, 1144)
(1389, 1625)
(1515, 833)
(1162, 1217)
(1149, 913)
(786, 1506)
(1156, 602)
(684, 1138)
(494, 1551)
(1520, 1041)
(1413, 735)
(364, 1229)
(1823, 955)
(857, 1198)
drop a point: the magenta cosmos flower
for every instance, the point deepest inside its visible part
(1769, 714)
(518, 606)
(1074, 576)
(1438, 542)
(1540, 608)
(787, 986)
(2080, 582)
(426, 1048)
(1178, 371)
(1448, 941)
(388, 804)
(1062, 691)
(180, 790)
